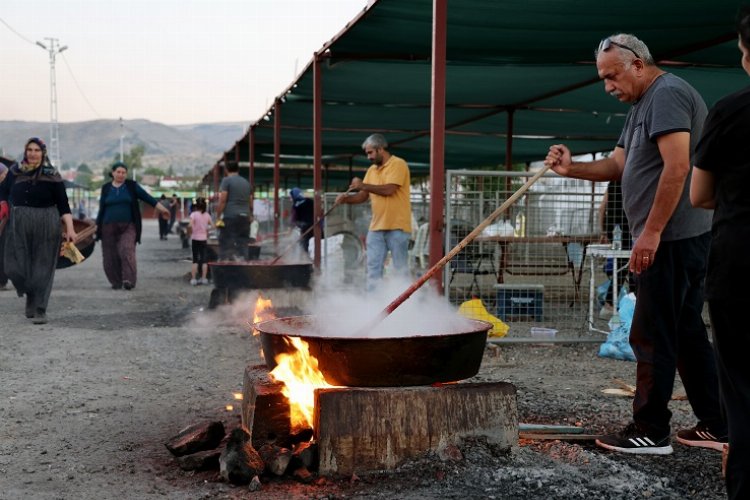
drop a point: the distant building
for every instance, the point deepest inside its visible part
(149, 180)
(169, 182)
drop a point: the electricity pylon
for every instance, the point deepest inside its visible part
(54, 136)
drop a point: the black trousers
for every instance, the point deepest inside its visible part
(732, 343)
(668, 334)
(234, 238)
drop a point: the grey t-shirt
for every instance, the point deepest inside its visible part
(238, 195)
(669, 105)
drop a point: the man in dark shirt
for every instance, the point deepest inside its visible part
(670, 244)
(234, 207)
(303, 215)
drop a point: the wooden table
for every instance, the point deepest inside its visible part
(543, 269)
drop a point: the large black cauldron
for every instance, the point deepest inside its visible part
(259, 274)
(380, 361)
(231, 278)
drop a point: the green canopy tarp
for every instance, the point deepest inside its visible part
(531, 58)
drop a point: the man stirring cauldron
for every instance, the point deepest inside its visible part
(386, 184)
(670, 245)
(234, 205)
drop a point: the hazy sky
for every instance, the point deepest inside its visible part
(170, 61)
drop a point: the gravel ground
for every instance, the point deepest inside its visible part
(88, 400)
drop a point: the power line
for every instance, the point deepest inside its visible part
(16, 32)
(79, 87)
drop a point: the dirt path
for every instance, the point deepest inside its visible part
(87, 401)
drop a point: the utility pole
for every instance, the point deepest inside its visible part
(54, 137)
(122, 135)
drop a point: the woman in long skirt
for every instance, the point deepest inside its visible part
(33, 196)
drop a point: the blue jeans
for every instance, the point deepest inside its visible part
(378, 245)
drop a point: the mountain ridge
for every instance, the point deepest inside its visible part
(187, 149)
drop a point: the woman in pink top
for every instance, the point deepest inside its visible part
(200, 221)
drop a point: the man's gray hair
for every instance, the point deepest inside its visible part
(376, 141)
(631, 42)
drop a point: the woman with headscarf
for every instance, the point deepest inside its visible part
(33, 197)
(3, 222)
(118, 226)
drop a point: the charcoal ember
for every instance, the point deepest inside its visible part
(239, 462)
(203, 460)
(450, 453)
(305, 455)
(303, 475)
(195, 438)
(276, 458)
(300, 436)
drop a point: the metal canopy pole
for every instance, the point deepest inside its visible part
(437, 144)
(276, 168)
(251, 156)
(317, 154)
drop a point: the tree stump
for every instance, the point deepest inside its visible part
(366, 429)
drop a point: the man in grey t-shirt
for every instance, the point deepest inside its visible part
(670, 245)
(234, 206)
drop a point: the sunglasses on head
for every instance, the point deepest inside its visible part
(606, 43)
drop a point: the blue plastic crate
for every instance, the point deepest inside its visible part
(519, 301)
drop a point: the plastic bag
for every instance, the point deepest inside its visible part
(617, 345)
(474, 309)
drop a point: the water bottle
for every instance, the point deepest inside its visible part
(520, 228)
(617, 238)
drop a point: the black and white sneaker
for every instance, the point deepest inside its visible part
(633, 440)
(701, 436)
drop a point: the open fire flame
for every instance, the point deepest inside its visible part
(298, 372)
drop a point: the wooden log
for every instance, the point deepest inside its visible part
(203, 460)
(265, 410)
(276, 458)
(195, 438)
(366, 429)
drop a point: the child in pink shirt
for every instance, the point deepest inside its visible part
(200, 221)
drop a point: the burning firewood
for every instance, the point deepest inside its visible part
(305, 455)
(239, 462)
(276, 458)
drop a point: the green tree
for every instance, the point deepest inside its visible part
(84, 169)
(154, 171)
(133, 158)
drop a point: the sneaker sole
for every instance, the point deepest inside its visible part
(646, 450)
(714, 445)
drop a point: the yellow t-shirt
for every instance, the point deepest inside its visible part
(390, 212)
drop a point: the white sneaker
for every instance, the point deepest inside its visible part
(204, 281)
(606, 312)
(193, 281)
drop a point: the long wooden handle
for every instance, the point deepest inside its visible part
(286, 250)
(460, 246)
(81, 235)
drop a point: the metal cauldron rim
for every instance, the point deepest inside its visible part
(485, 326)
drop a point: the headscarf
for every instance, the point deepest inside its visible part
(44, 171)
(25, 167)
(296, 194)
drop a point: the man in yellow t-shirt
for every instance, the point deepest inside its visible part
(386, 185)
